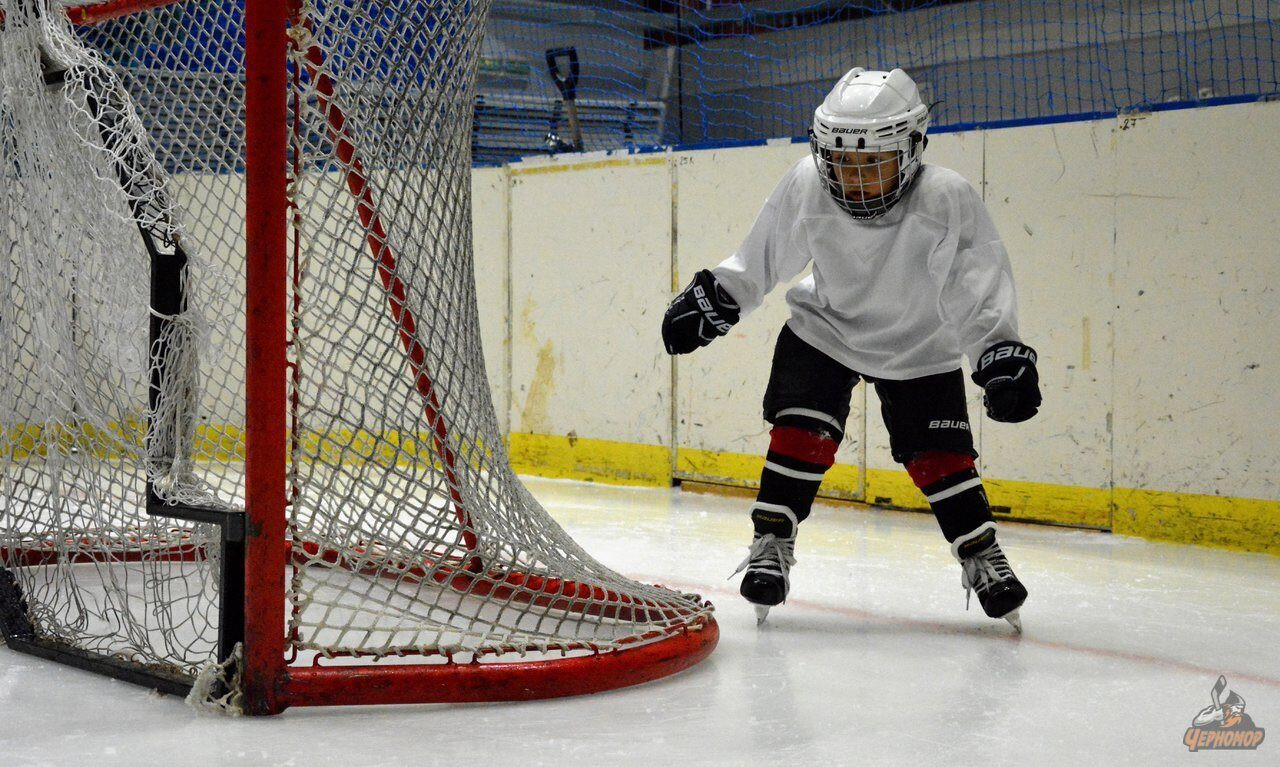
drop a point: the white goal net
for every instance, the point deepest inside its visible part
(123, 164)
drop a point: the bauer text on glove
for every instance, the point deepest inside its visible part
(1007, 374)
(702, 312)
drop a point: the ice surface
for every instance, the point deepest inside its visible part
(873, 660)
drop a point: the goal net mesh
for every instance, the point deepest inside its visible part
(408, 533)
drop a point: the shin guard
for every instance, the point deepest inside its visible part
(951, 484)
(802, 446)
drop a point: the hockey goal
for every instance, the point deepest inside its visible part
(248, 444)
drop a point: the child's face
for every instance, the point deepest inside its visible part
(865, 175)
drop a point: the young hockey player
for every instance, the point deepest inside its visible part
(909, 273)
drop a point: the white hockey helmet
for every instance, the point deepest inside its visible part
(869, 111)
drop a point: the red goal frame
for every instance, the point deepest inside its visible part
(270, 683)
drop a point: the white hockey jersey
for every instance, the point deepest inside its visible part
(895, 297)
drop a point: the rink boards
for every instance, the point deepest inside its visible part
(1142, 255)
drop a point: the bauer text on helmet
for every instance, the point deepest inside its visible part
(867, 137)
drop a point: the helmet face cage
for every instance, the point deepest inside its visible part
(867, 181)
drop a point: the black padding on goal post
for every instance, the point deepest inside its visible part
(168, 300)
(14, 623)
(20, 636)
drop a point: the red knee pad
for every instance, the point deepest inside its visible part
(928, 468)
(803, 445)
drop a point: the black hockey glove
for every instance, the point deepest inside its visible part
(701, 313)
(1007, 373)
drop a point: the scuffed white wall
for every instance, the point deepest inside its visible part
(1143, 251)
(490, 227)
(1050, 190)
(1198, 301)
(590, 277)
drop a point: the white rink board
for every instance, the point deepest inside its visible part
(590, 278)
(1050, 190)
(1091, 214)
(489, 237)
(1135, 222)
(1197, 357)
(1167, 398)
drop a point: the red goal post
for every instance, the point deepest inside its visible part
(479, 572)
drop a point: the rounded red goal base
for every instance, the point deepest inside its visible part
(491, 682)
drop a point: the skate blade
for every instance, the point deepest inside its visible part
(762, 612)
(1015, 620)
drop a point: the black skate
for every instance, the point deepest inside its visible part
(768, 563)
(986, 570)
